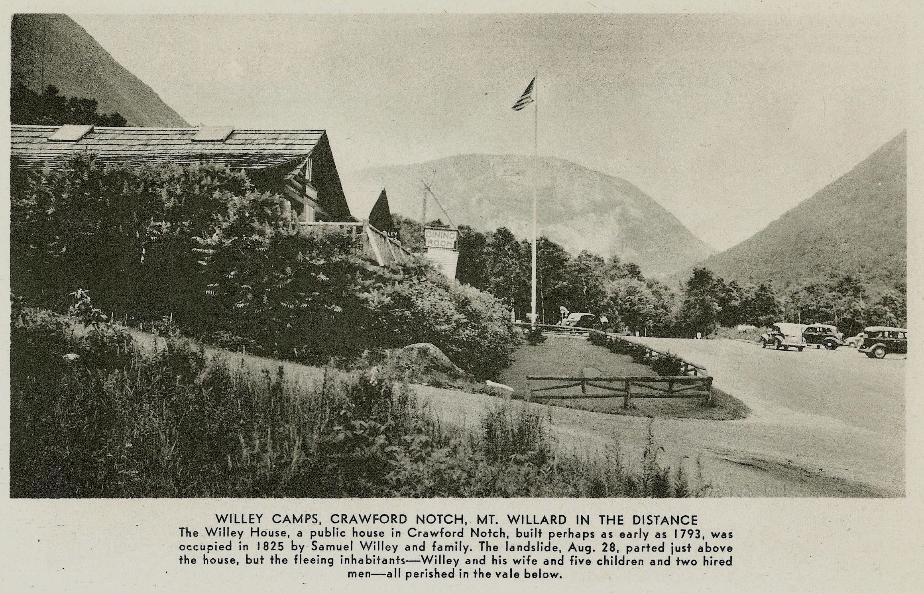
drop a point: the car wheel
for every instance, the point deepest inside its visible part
(879, 352)
(868, 354)
(778, 344)
(800, 348)
(831, 346)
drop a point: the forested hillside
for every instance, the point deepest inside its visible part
(855, 226)
(51, 49)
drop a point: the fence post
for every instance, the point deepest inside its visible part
(627, 396)
(583, 386)
(709, 390)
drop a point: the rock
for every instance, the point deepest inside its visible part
(424, 359)
(499, 388)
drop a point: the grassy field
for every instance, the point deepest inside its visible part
(576, 356)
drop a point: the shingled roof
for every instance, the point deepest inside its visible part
(276, 160)
(236, 148)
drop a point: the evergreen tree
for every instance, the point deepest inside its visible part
(53, 109)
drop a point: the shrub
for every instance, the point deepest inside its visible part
(667, 365)
(535, 336)
(199, 247)
(599, 339)
(638, 352)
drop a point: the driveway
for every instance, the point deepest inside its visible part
(822, 424)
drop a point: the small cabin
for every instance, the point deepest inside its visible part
(298, 164)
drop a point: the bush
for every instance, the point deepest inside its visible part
(198, 247)
(638, 352)
(667, 365)
(535, 336)
(599, 339)
(92, 415)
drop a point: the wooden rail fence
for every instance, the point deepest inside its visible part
(555, 329)
(627, 387)
(693, 380)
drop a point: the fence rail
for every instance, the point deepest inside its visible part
(650, 354)
(627, 387)
(693, 380)
(555, 329)
(374, 244)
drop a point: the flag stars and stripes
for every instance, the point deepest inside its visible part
(526, 98)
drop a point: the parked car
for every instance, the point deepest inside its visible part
(784, 336)
(819, 334)
(881, 340)
(587, 320)
(855, 341)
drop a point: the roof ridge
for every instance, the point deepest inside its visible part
(181, 129)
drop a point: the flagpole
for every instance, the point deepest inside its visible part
(535, 316)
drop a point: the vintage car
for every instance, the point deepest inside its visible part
(855, 341)
(784, 336)
(881, 340)
(819, 334)
(587, 320)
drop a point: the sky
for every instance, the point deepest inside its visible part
(725, 120)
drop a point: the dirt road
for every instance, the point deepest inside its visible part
(838, 411)
(841, 385)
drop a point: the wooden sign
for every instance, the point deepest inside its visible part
(441, 238)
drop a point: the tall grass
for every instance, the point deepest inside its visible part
(92, 415)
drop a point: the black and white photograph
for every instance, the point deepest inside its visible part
(562, 255)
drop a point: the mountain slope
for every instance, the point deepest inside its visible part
(53, 49)
(578, 207)
(854, 225)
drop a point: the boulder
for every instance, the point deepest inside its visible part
(423, 360)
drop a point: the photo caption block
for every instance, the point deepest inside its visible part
(461, 546)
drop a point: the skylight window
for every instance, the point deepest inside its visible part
(70, 133)
(213, 134)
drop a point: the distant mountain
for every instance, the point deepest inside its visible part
(578, 207)
(854, 225)
(53, 49)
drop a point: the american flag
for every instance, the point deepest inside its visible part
(526, 98)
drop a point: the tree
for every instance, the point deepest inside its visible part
(555, 288)
(52, 109)
(699, 309)
(730, 299)
(662, 319)
(890, 308)
(588, 274)
(472, 268)
(411, 233)
(762, 307)
(508, 269)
